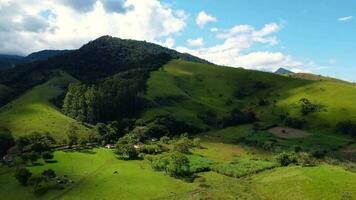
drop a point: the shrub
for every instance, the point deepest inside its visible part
(126, 151)
(306, 160)
(181, 146)
(347, 127)
(47, 155)
(151, 149)
(164, 139)
(174, 164)
(41, 188)
(23, 175)
(208, 117)
(199, 163)
(237, 117)
(242, 167)
(49, 173)
(178, 165)
(308, 107)
(295, 122)
(6, 142)
(285, 159)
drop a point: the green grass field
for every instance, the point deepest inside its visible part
(94, 178)
(33, 111)
(323, 182)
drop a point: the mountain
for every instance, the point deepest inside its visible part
(7, 61)
(283, 71)
(44, 55)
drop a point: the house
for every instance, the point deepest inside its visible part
(109, 146)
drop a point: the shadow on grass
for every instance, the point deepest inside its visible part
(51, 161)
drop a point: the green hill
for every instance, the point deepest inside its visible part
(34, 111)
(186, 88)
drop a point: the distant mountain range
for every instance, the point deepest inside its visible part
(283, 71)
(8, 61)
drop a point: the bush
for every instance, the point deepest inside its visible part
(126, 151)
(237, 117)
(347, 127)
(178, 165)
(47, 155)
(306, 160)
(285, 159)
(152, 149)
(41, 188)
(6, 142)
(308, 107)
(174, 164)
(199, 163)
(23, 175)
(208, 117)
(295, 122)
(242, 167)
(181, 146)
(49, 173)
(164, 140)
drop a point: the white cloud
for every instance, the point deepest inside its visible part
(23, 29)
(342, 19)
(240, 39)
(196, 42)
(214, 29)
(203, 18)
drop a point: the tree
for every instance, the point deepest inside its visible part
(286, 159)
(127, 151)
(6, 142)
(308, 107)
(33, 156)
(47, 155)
(23, 175)
(37, 142)
(49, 173)
(178, 165)
(347, 127)
(72, 134)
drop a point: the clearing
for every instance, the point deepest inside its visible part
(288, 133)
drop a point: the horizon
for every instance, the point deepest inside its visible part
(313, 37)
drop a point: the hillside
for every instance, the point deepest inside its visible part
(8, 61)
(186, 88)
(34, 111)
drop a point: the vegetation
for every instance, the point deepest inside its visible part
(6, 141)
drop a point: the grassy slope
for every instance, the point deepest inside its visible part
(206, 87)
(323, 182)
(94, 178)
(339, 99)
(209, 87)
(33, 110)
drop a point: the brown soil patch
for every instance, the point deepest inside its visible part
(288, 133)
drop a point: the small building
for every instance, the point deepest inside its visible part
(109, 146)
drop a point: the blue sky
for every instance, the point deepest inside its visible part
(311, 30)
(317, 36)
